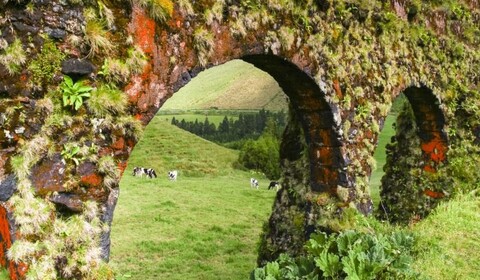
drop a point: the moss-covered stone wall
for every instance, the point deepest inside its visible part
(80, 79)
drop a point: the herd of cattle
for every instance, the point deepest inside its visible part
(173, 174)
(150, 173)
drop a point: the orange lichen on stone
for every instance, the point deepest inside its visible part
(119, 144)
(16, 271)
(327, 178)
(338, 90)
(122, 165)
(324, 155)
(429, 169)
(143, 28)
(435, 149)
(5, 234)
(105, 151)
(433, 194)
(91, 180)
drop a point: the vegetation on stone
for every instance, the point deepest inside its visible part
(74, 92)
(13, 56)
(46, 65)
(358, 56)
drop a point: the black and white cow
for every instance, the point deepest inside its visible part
(254, 183)
(274, 184)
(172, 175)
(149, 172)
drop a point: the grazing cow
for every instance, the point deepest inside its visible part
(254, 183)
(274, 184)
(139, 171)
(172, 175)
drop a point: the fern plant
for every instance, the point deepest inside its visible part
(74, 93)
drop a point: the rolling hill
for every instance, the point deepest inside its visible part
(235, 85)
(165, 147)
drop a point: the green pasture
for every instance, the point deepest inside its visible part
(207, 224)
(203, 226)
(194, 228)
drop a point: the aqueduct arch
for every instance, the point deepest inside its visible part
(342, 63)
(423, 144)
(316, 117)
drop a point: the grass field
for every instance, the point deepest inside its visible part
(204, 226)
(449, 240)
(233, 85)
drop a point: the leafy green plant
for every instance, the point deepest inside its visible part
(348, 255)
(4, 274)
(70, 152)
(74, 93)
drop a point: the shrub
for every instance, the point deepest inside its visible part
(348, 255)
(262, 155)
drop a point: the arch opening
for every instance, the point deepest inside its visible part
(410, 187)
(314, 118)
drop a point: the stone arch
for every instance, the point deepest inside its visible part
(344, 48)
(316, 117)
(420, 147)
(314, 132)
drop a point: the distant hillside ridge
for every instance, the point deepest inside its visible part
(233, 85)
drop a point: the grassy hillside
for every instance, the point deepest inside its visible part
(233, 85)
(449, 240)
(204, 226)
(165, 147)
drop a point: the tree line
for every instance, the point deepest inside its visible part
(258, 137)
(246, 126)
